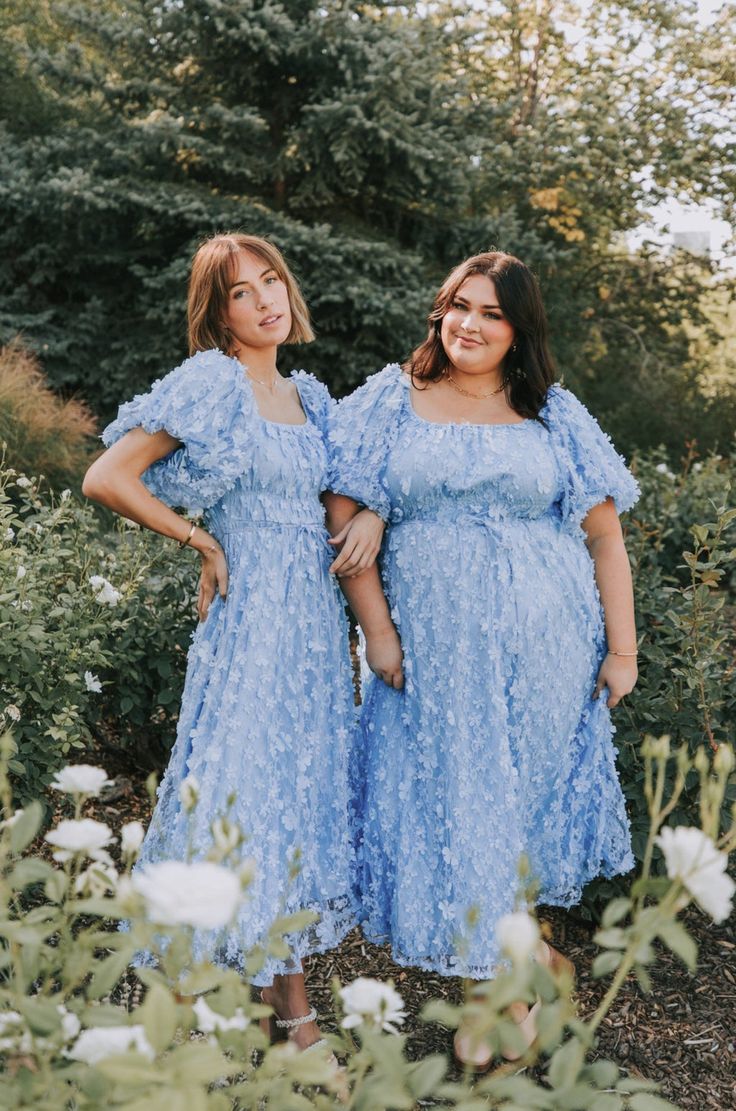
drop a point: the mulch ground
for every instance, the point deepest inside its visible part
(682, 1034)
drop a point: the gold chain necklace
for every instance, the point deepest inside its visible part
(270, 387)
(476, 396)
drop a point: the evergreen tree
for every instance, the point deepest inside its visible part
(377, 144)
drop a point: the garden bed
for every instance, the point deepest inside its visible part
(682, 1034)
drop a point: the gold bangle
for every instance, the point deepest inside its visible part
(183, 543)
(612, 653)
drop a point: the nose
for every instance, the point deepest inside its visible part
(265, 298)
(469, 323)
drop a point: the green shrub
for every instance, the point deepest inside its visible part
(74, 651)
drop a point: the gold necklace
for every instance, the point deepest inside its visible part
(271, 388)
(476, 396)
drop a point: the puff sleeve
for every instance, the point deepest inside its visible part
(363, 428)
(315, 398)
(592, 468)
(204, 404)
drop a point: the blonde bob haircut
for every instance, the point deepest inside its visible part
(213, 271)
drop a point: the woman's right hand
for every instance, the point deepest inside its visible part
(385, 658)
(213, 577)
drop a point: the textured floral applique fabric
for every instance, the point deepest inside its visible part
(267, 714)
(494, 748)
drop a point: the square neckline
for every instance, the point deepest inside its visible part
(455, 423)
(277, 423)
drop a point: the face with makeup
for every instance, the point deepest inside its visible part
(475, 333)
(258, 314)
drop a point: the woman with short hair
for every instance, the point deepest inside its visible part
(267, 712)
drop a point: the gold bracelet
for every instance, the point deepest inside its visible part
(183, 543)
(612, 653)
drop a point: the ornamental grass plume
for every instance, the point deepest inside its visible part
(44, 434)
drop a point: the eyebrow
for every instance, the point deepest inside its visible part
(465, 301)
(268, 270)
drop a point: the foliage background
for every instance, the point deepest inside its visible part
(377, 144)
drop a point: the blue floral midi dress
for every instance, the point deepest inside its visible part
(494, 747)
(268, 711)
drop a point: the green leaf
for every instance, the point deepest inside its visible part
(643, 978)
(56, 886)
(615, 911)
(425, 1076)
(28, 871)
(606, 1101)
(605, 963)
(108, 973)
(158, 1013)
(437, 1010)
(130, 1069)
(198, 1063)
(676, 938)
(603, 1073)
(645, 1101)
(613, 938)
(566, 1064)
(25, 828)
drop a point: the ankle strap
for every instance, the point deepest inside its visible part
(290, 1023)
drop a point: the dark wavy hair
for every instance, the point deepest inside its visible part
(529, 371)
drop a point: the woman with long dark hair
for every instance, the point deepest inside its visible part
(508, 584)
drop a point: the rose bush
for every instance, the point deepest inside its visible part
(195, 1041)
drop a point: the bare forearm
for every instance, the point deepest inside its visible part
(124, 493)
(364, 592)
(613, 576)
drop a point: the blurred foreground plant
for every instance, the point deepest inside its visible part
(195, 1041)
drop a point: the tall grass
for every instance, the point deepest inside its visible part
(44, 434)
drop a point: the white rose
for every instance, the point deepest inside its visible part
(210, 1022)
(13, 1034)
(189, 792)
(10, 822)
(12, 712)
(92, 683)
(81, 779)
(371, 1002)
(517, 935)
(104, 592)
(23, 482)
(203, 895)
(9, 534)
(104, 1041)
(65, 495)
(131, 837)
(70, 1024)
(692, 858)
(84, 836)
(21, 572)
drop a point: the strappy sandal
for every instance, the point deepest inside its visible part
(277, 1029)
